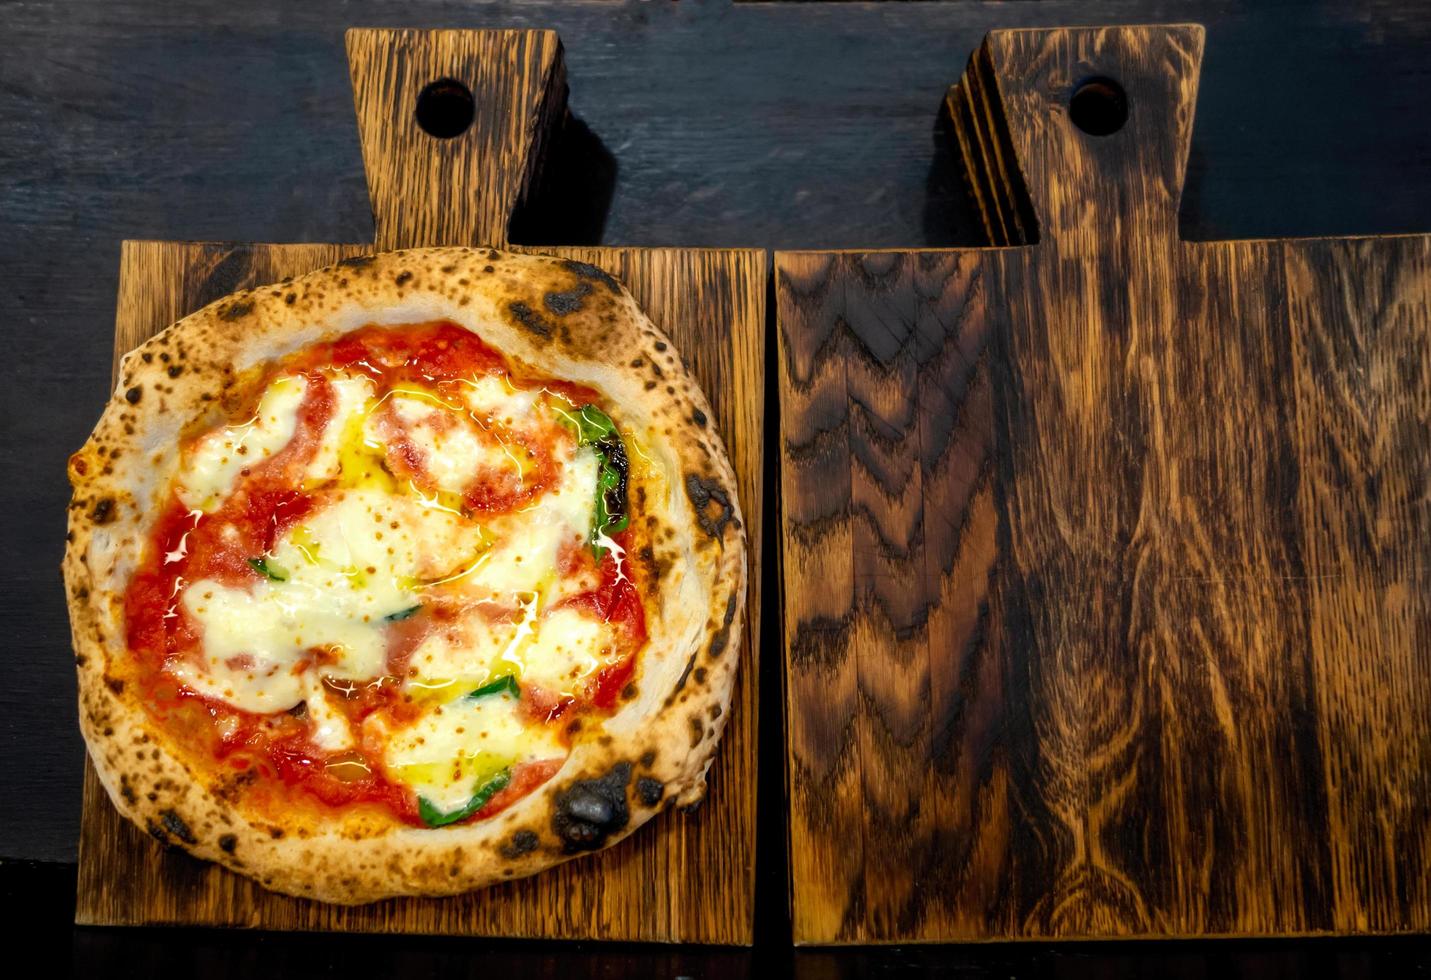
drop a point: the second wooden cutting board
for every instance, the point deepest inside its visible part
(1108, 609)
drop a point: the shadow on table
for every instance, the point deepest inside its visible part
(568, 206)
(220, 955)
(39, 903)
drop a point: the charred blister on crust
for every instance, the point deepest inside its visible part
(681, 683)
(588, 271)
(650, 790)
(529, 319)
(646, 557)
(175, 825)
(712, 504)
(227, 843)
(522, 842)
(235, 310)
(590, 810)
(134, 394)
(720, 639)
(564, 303)
(103, 511)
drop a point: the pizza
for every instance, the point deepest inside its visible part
(414, 574)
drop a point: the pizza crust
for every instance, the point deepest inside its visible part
(564, 319)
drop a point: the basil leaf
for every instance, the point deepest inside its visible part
(507, 682)
(401, 614)
(434, 817)
(595, 429)
(593, 425)
(268, 569)
(611, 513)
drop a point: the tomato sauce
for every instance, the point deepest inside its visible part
(187, 545)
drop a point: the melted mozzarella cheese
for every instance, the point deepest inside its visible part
(463, 656)
(567, 647)
(493, 399)
(214, 462)
(555, 652)
(352, 400)
(355, 562)
(453, 453)
(449, 751)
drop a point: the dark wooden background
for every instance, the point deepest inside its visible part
(769, 124)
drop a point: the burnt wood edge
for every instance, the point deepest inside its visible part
(995, 184)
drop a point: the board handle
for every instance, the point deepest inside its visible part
(1078, 137)
(453, 125)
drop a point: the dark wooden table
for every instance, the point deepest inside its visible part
(779, 125)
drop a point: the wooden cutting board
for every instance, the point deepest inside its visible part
(683, 877)
(1107, 602)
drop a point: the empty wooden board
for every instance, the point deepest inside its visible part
(685, 876)
(1105, 553)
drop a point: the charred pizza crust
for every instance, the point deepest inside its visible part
(563, 318)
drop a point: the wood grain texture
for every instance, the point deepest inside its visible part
(427, 190)
(218, 121)
(683, 877)
(1136, 633)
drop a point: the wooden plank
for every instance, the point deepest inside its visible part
(887, 514)
(825, 841)
(463, 189)
(1172, 591)
(684, 877)
(1361, 360)
(968, 781)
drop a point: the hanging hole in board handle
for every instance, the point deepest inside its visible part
(1098, 106)
(445, 108)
